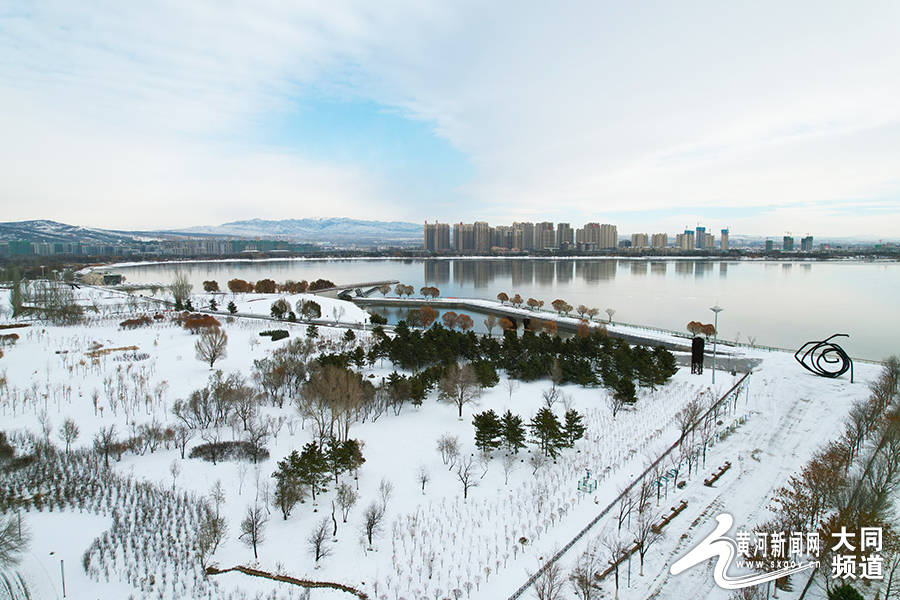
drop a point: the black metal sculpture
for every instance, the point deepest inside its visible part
(697, 345)
(825, 358)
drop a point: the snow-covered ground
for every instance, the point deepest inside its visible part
(433, 541)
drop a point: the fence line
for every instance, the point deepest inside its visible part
(734, 391)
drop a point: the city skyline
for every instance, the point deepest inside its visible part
(202, 114)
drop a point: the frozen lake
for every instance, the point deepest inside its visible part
(779, 303)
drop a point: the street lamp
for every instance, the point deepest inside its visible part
(716, 309)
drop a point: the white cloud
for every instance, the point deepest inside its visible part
(566, 112)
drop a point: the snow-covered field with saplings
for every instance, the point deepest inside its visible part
(139, 540)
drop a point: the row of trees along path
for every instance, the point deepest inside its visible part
(733, 392)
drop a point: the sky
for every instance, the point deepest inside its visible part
(764, 117)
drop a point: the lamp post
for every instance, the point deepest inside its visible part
(716, 309)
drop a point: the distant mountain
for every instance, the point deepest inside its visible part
(337, 230)
(317, 230)
(51, 231)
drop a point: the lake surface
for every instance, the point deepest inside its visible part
(779, 303)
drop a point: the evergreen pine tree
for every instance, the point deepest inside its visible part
(574, 428)
(487, 431)
(232, 307)
(512, 431)
(287, 487)
(310, 467)
(547, 432)
(665, 364)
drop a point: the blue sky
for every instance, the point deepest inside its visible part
(764, 117)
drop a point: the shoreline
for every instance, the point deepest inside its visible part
(660, 258)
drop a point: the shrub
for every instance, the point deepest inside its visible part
(275, 334)
(135, 323)
(377, 319)
(265, 286)
(236, 286)
(196, 322)
(234, 450)
(211, 286)
(320, 284)
(8, 339)
(280, 308)
(293, 287)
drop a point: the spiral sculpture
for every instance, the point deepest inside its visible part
(825, 358)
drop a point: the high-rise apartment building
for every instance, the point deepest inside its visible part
(710, 241)
(659, 240)
(527, 235)
(700, 237)
(806, 243)
(544, 236)
(639, 240)
(482, 232)
(503, 236)
(770, 245)
(609, 236)
(564, 234)
(723, 241)
(788, 243)
(463, 237)
(687, 240)
(437, 236)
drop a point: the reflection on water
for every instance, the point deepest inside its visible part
(564, 270)
(684, 267)
(437, 271)
(854, 297)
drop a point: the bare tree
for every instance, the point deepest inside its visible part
(615, 547)
(175, 470)
(68, 433)
(104, 440)
(181, 288)
(385, 490)
(644, 494)
(423, 477)
(706, 433)
(511, 386)
(346, 499)
(615, 403)
(688, 416)
(645, 535)
(448, 446)
(13, 541)
(550, 582)
(610, 312)
(257, 435)
(537, 460)
(510, 462)
(318, 541)
(459, 386)
(211, 345)
(372, 518)
(626, 505)
(551, 395)
(583, 576)
(210, 534)
(253, 527)
(465, 472)
(183, 435)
